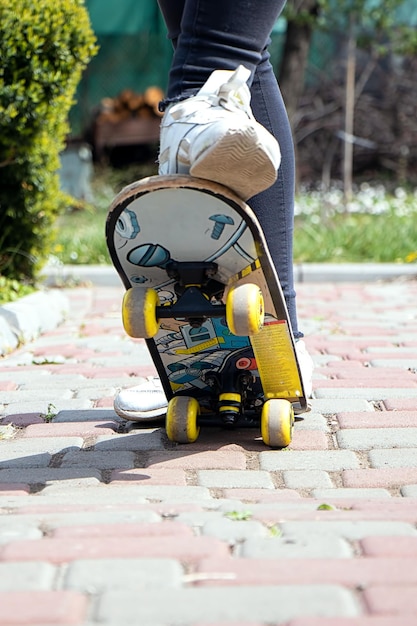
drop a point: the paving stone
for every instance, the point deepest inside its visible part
(70, 429)
(311, 421)
(62, 478)
(307, 479)
(43, 607)
(240, 604)
(308, 440)
(146, 439)
(351, 493)
(401, 362)
(261, 495)
(391, 599)
(150, 476)
(367, 394)
(44, 406)
(211, 459)
(43, 394)
(26, 576)
(95, 522)
(101, 460)
(352, 573)
(400, 404)
(92, 415)
(347, 529)
(63, 550)
(327, 460)
(398, 457)
(17, 529)
(296, 547)
(227, 479)
(233, 531)
(378, 419)
(123, 574)
(327, 406)
(385, 477)
(35, 452)
(390, 546)
(368, 439)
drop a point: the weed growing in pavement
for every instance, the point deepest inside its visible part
(239, 516)
(274, 531)
(50, 414)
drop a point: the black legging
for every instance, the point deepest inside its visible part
(222, 34)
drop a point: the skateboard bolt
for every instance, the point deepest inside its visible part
(220, 222)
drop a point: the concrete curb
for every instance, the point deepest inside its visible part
(29, 317)
(25, 319)
(106, 275)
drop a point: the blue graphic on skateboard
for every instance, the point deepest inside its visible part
(202, 291)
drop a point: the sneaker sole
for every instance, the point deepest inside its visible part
(237, 161)
(136, 416)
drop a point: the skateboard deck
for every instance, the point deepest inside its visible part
(202, 290)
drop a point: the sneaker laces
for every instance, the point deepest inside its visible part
(233, 95)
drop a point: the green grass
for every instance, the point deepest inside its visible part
(80, 237)
(357, 238)
(376, 226)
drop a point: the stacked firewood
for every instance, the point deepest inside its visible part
(129, 104)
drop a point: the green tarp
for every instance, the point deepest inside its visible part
(124, 17)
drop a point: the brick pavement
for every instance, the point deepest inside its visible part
(106, 522)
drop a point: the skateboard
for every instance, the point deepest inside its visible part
(202, 291)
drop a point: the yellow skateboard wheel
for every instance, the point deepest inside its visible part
(181, 420)
(277, 421)
(245, 310)
(139, 312)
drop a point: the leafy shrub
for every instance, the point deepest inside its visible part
(44, 46)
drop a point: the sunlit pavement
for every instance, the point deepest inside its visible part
(106, 522)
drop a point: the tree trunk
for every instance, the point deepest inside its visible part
(349, 111)
(295, 54)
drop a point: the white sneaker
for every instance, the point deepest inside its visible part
(306, 367)
(146, 401)
(213, 135)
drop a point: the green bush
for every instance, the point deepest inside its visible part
(44, 47)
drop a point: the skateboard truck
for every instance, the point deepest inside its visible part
(195, 287)
(231, 394)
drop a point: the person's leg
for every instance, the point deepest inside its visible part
(209, 118)
(186, 19)
(274, 206)
(215, 34)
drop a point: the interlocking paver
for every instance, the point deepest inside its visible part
(113, 574)
(95, 510)
(328, 460)
(268, 604)
(27, 576)
(43, 607)
(369, 439)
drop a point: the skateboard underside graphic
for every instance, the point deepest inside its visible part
(202, 290)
